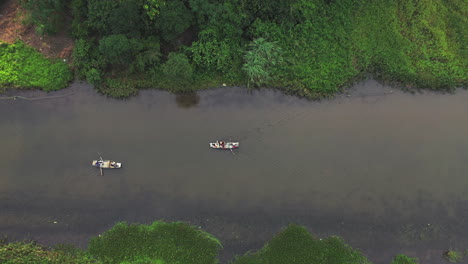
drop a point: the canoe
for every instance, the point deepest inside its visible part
(107, 164)
(224, 145)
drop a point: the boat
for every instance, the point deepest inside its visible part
(224, 145)
(107, 164)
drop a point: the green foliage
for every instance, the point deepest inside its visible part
(80, 30)
(81, 57)
(178, 69)
(211, 54)
(23, 67)
(47, 15)
(317, 47)
(99, 13)
(149, 57)
(118, 88)
(118, 49)
(278, 11)
(174, 18)
(410, 43)
(152, 8)
(20, 253)
(180, 243)
(93, 76)
(159, 242)
(402, 259)
(296, 245)
(260, 61)
(454, 256)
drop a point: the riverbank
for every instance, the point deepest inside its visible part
(182, 243)
(312, 49)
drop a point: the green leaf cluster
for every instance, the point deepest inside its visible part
(24, 67)
(295, 245)
(161, 242)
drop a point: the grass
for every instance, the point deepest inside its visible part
(32, 253)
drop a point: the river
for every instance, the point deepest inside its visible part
(385, 169)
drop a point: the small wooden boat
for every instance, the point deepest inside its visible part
(224, 145)
(107, 164)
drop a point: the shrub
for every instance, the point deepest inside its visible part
(118, 49)
(23, 67)
(164, 242)
(454, 256)
(260, 61)
(178, 69)
(295, 245)
(93, 76)
(117, 88)
(402, 259)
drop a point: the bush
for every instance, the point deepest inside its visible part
(261, 60)
(178, 69)
(164, 242)
(118, 88)
(118, 49)
(173, 19)
(23, 67)
(93, 76)
(402, 259)
(212, 54)
(454, 256)
(295, 245)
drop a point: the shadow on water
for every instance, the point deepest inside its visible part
(187, 100)
(384, 169)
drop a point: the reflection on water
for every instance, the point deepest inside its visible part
(384, 169)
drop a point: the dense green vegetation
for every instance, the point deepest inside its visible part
(180, 243)
(159, 242)
(308, 47)
(24, 67)
(295, 245)
(48, 16)
(454, 256)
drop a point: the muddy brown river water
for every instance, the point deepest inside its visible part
(384, 169)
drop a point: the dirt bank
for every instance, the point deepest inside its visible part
(12, 29)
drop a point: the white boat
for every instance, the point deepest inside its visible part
(107, 164)
(224, 145)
